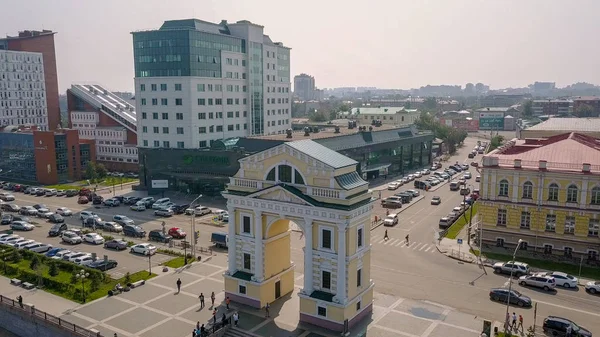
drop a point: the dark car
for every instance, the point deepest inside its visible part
(158, 236)
(92, 222)
(10, 207)
(116, 244)
(71, 193)
(103, 265)
(56, 218)
(131, 200)
(501, 295)
(84, 192)
(133, 230)
(41, 208)
(40, 192)
(57, 229)
(180, 209)
(406, 197)
(97, 200)
(6, 219)
(557, 326)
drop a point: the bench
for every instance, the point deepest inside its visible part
(138, 283)
(15, 281)
(28, 285)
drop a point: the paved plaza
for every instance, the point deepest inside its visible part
(157, 310)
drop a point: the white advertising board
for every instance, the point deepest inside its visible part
(160, 184)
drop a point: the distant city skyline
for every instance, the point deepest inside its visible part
(398, 45)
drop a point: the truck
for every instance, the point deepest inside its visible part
(220, 239)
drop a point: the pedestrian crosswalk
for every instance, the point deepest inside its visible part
(398, 243)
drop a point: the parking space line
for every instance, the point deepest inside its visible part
(398, 243)
(425, 245)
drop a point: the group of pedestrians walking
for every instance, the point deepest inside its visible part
(514, 323)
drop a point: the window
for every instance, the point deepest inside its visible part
(595, 196)
(553, 192)
(325, 279)
(547, 249)
(237, 114)
(246, 225)
(163, 87)
(218, 101)
(178, 101)
(551, 223)
(179, 116)
(322, 311)
(202, 129)
(202, 115)
(166, 144)
(165, 115)
(298, 178)
(153, 87)
(527, 190)
(230, 101)
(359, 278)
(180, 131)
(145, 142)
(326, 238)
(247, 261)
(219, 128)
(144, 115)
(524, 245)
(156, 129)
(143, 101)
(155, 101)
(569, 225)
(144, 129)
(177, 87)
(499, 242)
(202, 143)
(201, 101)
(156, 143)
(200, 87)
(229, 114)
(592, 255)
(503, 190)
(501, 220)
(358, 306)
(230, 127)
(271, 175)
(568, 252)
(572, 193)
(210, 101)
(165, 129)
(164, 101)
(525, 220)
(242, 289)
(594, 226)
(142, 87)
(285, 173)
(359, 237)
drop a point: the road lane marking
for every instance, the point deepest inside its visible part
(425, 245)
(427, 249)
(398, 243)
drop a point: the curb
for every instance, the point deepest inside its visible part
(455, 258)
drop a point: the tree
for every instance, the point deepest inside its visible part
(94, 281)
(317, 116)
(528, 108)
(91, 172)
(496, 141)
(344, 108)
(16, 257)
(430, 103)
(333, 115)
(585, 110)
(35, 262)
(53, 269)
(101, 171)
(407, 105)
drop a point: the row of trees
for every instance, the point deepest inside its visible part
(452, 137)
(95, 172)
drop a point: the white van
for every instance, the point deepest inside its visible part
(158, 203)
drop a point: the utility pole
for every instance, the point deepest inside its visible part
(194, 224)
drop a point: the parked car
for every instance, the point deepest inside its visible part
(467, 175)
(220, 213)
(117, 244)
(199, 211)
(51, 192)
(557, 326)
(518, 268)
(436, 200)
(86, 214)
(6, 219)
(177, 233)
(76, 255)
(57, 229)
(40, 192)
(393, 201)
(97, 200)
(56, 218)
(110, 226)
(94, 238)
(164, 212)
(41, 208)
(53, 251)
(64, 211)
(103, 265)
(415, 193)
(61, 193)
(138, 207)
(112, 202)
(562, 279)
(148, 201)
(158, 236)
(44, 215)
(593, 287)
(60, 255)
(85, 260)
(10, 208)
(93, 223)
(71, 193)
(71, 238)
(180, 209)
(9, 238)
(220, 239)
(477, 178)
(393, 185)
(391, 220)
(28, 210)
(7, 197)
(131, 200)
(133, 230)
(38, 247)
(144, 249)
(22, 244)
(123, 220)
(501, 295)
(160, 203)
(545, 282)
(21, 226)
(82, 200)
(445, 222)
(405, 197)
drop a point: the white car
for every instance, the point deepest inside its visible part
(593, 287)
(9, 238)
(418, 174)
(562, 279)
(221, 213)
(138, 207)
(144, 249)
(7, 197)
(94, 238)
(200, 210)
(61, 255)
(393, 186)
(77, 255)
(425, 172)
(64, 211)
(72, 238)
(166, 212)
(85, 260)
(22, 244)
(38, 247)
(467, 175)
(86, 214)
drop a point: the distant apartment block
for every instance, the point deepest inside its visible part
(304, 87)
(37, 42)
(502, 100)
(552, 107)
(386, 115)
(100, 115)
(591, 101)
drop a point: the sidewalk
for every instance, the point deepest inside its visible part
(452, 249)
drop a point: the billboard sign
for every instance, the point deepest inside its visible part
(160, 184)
(491, 121)
(469, 125)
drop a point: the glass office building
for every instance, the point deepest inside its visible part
(17, 157)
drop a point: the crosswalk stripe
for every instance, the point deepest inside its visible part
(398, 243)
(388, 241)
(413, 245)
(375, 237)
(428, 248)
(423, 247)
(381, 241)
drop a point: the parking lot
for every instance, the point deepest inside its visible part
(127, 262)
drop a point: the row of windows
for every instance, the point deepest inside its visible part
(22, 89)
(39, 121)
(165, 144)
(219, 128)
(37, 77)
(548, 248)
(201, 115)
(109, 149)
(553, 191)
(219, 101)
(23, 113)
(163, 87)
(279, 112)
(14, 56)
(279, 122)
(163, 101)
(165, 130)
(129, 160)
(569, 228)
(40, 103)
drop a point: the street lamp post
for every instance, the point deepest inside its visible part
(149, 264)
(83, 275)
(193, 243)
(510, 285)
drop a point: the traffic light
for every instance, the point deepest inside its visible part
(196, 235)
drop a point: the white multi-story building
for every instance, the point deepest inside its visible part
(222, 81)
(22, 89)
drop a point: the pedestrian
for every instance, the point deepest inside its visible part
(212, 298)
(236, 318)
(214, 317)
(178, 285)
(224, 319)
(198, 325)
(379, 194)
(202, 330)
(194, 333)
(201, 297)
(385, 236)
(520, 323)
(406, 239)
(268, 306)
(514, 321)
(20, 300)
(227, 302)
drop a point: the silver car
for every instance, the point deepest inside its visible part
(545, 282)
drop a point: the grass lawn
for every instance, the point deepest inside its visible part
(74, 186)
(177, 262)
(458, 225)
(586, 271)
(108, 181)
(106, 286)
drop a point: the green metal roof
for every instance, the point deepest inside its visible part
(323, 154)
(350, 180)
(322, 296)
(242, 275)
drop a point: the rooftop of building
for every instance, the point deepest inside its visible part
(327, 131)
(564, 152)
(30, 33)
(553, 101)
(569, 124)
(101, 98)
(587, 98)
(496, 109)
(27, 129)
(380, 110)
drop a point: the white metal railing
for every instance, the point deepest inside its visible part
(325, 193)
(249, 183)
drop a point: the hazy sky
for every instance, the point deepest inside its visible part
(382, 43)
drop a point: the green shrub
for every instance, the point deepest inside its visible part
(15, 257)
(94, 282)
(35, 263)
(127, 278)
(130, 243)
(74, 277)
(53, 269)
(108, 237)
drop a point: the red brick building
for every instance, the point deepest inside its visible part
(40, 42)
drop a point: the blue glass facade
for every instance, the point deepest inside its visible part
(17, 158)
(256, 88)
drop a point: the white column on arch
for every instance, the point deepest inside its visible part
(308, 256)
(231, 246)
(341, 257)
(258, 247)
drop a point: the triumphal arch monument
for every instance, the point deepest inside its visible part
(319, 190)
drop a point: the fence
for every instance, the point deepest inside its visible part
(73, 328)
